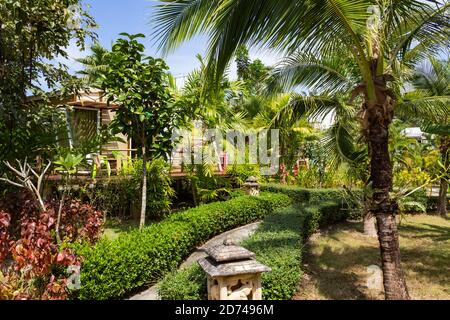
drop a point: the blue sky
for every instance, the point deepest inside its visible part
(133, 16)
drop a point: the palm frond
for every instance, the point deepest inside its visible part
(422, 108)
(315, 108)
(285, 26)
(176, 21)
(417, 29)
(339, 144)
(333, 74)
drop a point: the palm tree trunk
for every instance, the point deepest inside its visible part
(369, 220)
(442, 202)
(383, 208)
(144, 182)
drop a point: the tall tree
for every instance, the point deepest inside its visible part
(378, 35)
(242, 61)
(32, 33)
(147, 114)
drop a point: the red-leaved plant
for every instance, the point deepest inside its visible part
(32, 262)
(5, 220)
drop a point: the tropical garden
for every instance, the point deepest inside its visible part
(359, 99)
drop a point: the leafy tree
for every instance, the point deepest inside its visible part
(31, 34)
(147, 114)
(379, 36)
(254, 74)
(242, 62)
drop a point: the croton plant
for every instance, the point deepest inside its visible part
(32, 265)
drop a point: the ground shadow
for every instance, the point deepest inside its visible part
(336, 268)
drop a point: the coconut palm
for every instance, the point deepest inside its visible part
(377, 34)
(431, 80)
(342, 141)
(94, 64)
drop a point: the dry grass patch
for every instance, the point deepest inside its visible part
(337, 260)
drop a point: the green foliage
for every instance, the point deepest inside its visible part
(69, 163)
(115, 196)
(241, 172)
(301, 195)
(159, 191)
(186, 284)
(139, 85)
(323, 214)
(278, 243)
(32, 34)
(112, 269)
(254, 74)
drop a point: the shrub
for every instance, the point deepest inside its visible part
(186, 284)
(420, 199)
(112, 269)
(241, 172)
(301, 195)
(116, 196)
(32, 264)
(278, 243)
(319, 216)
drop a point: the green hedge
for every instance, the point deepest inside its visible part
(347, 201)
(278, 243)
(112, 269)
(301, 195)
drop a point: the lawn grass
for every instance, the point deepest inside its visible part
(337, 260)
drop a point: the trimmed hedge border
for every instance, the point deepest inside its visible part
(302, 195)
(278, 243)
(112, 269)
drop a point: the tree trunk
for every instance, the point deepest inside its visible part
(383, 208)
(442, 202)
(369, 220)
(144, 183)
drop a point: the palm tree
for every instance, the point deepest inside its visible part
(432, 79)
(342, 141)
(94, 64)
(377, 34)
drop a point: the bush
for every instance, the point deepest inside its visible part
(301, 195)
(32, 264)
(319, 216)
(278, 243)
(239, 173)
(419, 199)
(116, 196)
(186, 284)
(112, 269)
